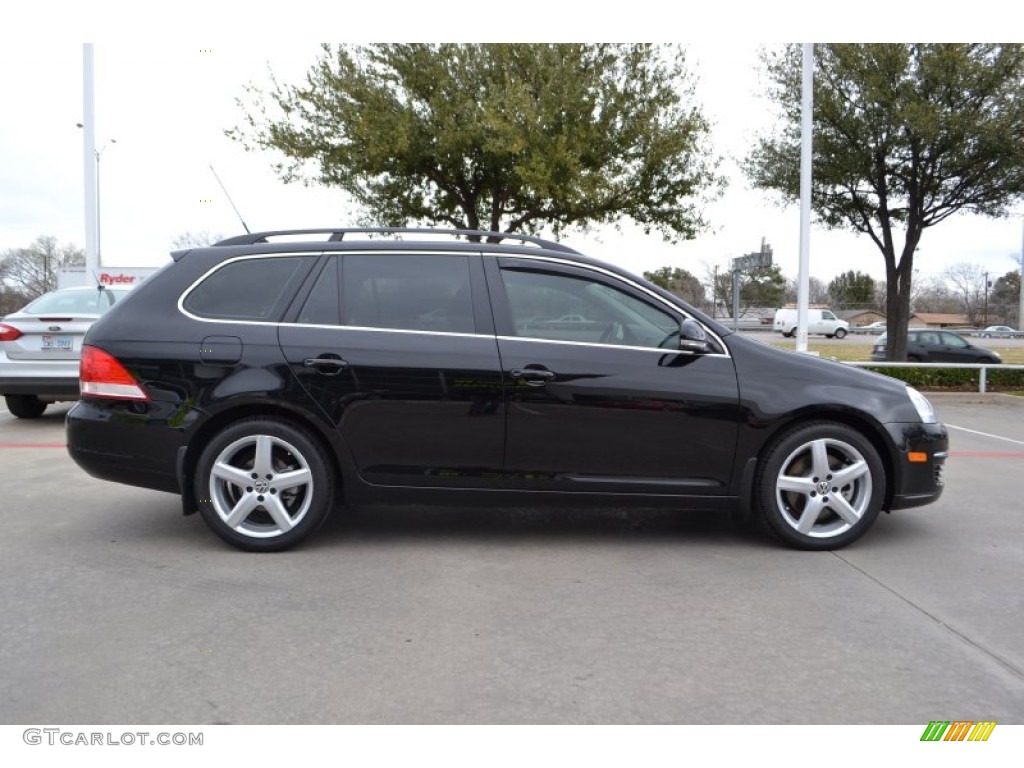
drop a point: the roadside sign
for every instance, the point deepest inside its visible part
(126, 277)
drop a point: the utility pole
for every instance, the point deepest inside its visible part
(714, 293)
(1020, 283)
(986, 299)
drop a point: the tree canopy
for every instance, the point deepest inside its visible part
(851, 289)
(905, 136)
(1004, 300)
(682, 283)
(761, 287)
(503, 137)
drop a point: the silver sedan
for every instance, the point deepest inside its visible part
(41, 344)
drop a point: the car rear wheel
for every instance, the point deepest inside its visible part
(820, 486)
(25, 406)
(913, 359)
(263, 485)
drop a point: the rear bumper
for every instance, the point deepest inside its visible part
(111, 442)
(918, 482)
(57, 389)
(57, 379)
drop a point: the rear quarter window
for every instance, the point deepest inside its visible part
(257, 289)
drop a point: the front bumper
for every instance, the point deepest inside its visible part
(920, 453)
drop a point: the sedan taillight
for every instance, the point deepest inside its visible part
(9, 333)
(102, 375)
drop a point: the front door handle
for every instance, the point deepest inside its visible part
(327, 365)
(535, 377)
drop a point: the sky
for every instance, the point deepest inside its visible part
(163, 102)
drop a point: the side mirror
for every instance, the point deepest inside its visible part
(693, 338)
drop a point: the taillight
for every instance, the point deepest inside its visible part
(9, 333)
(102, 375)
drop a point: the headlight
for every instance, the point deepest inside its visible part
(924, 408)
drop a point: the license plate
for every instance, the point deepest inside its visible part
(57, 342)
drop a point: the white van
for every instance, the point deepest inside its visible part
(819, 320)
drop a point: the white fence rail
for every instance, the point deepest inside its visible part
(982, 368)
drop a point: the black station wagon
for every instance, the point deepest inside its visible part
(268, 378)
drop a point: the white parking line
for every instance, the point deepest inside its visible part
(986, 434)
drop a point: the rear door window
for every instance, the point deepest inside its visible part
(416, 292)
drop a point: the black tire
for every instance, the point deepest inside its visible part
(913, 359)
(840, 333)
(25, 406)
(789, 334)
(790, 493)
(829, 335)
(289, 498)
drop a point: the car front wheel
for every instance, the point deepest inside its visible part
(840, 333)
(263, 485)
(820, 486)
(25, 406)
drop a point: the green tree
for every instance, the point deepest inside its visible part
(680, 282)
(905, 136)
(32, 271)
(504, 137)
(1004, 300)
(765, 287)
(851, 289)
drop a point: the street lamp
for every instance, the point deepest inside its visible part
(99, 152)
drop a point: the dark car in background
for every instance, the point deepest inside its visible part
(41, 343)
(933, 345)
(265, 379)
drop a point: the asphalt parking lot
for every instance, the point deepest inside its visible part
(116, 609)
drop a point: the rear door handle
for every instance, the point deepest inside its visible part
(328, 366)
(535, 377)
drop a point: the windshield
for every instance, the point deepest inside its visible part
(88, 302)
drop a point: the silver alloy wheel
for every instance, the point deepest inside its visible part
(824, 488)
(261, 486)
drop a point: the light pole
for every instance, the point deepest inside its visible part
(99, 153)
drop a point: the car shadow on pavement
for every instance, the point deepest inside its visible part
(387, 523)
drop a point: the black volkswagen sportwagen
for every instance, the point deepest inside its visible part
(271, 376)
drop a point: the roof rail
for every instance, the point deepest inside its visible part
(336, 235)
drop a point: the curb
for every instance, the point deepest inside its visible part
(988, 398)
